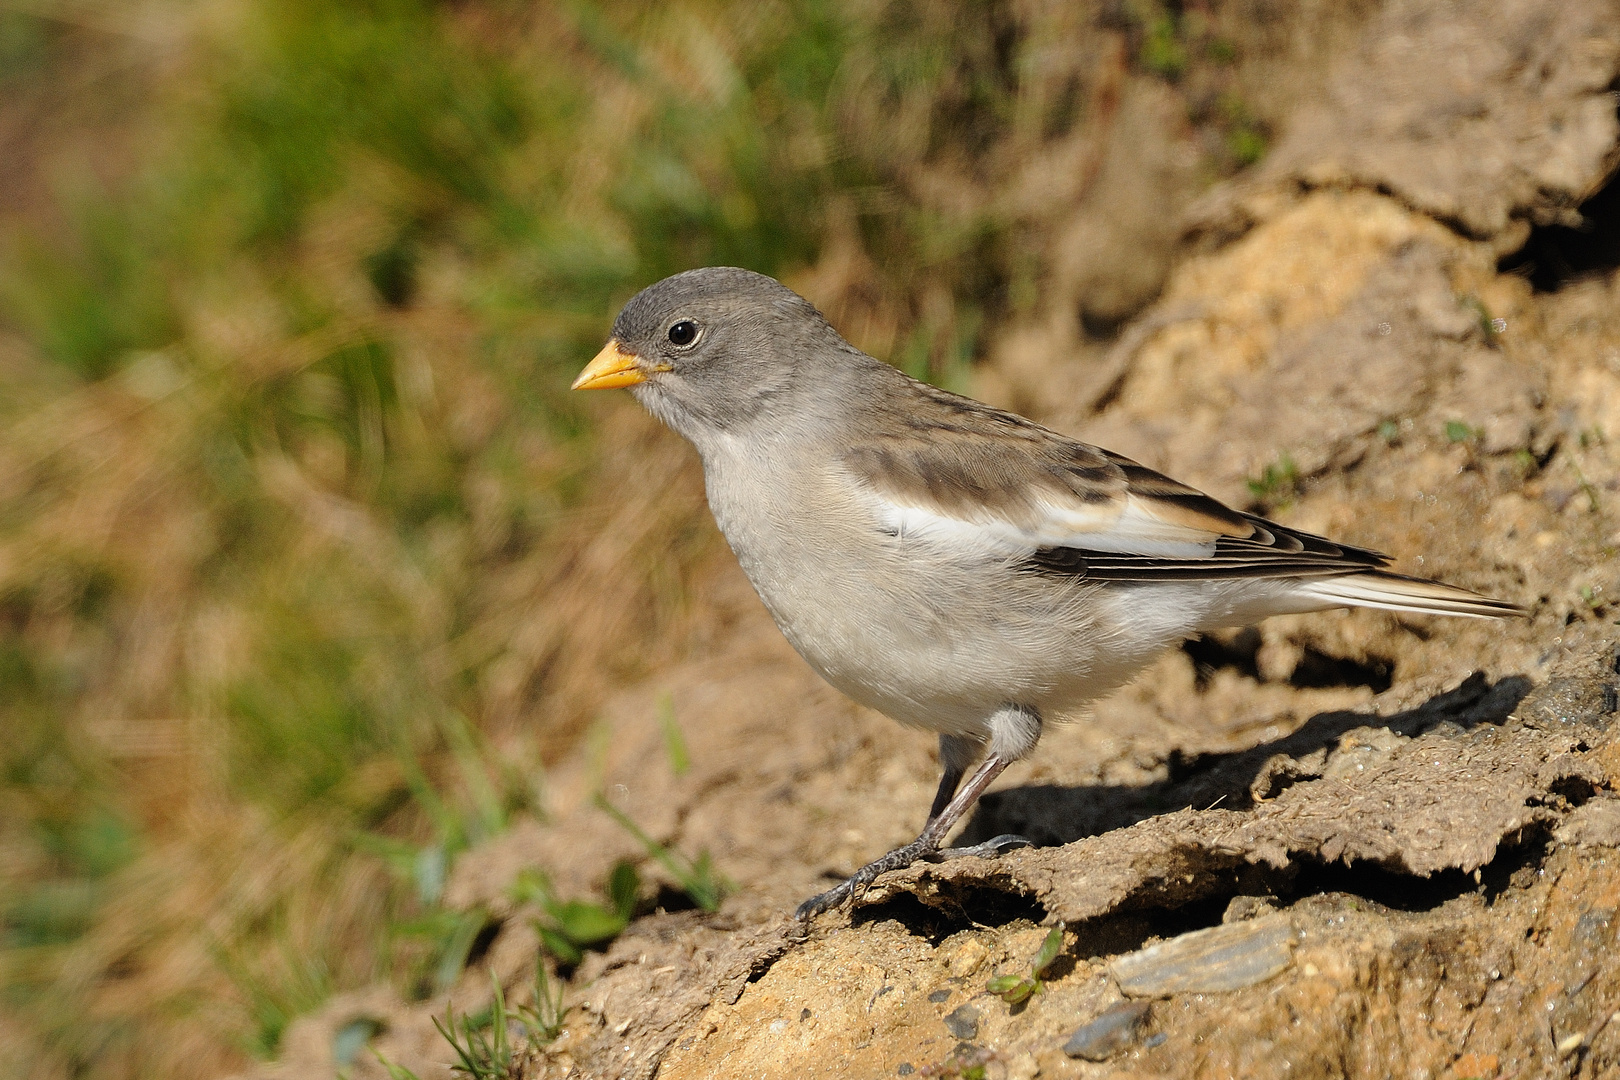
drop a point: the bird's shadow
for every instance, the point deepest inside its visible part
(1050, 814)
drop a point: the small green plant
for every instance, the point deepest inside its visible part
(545, 1016)
(1490, 328)
(698, 877)
(484, 1041)
(1164, 53)
(674, 741)
(1457, 431)
(1594, 502)
(395, 1072)
(1245, 134)
(1278, 483)
(569, 927)
(1015, 989)
(1389, 431)
(483, 1056)
(1247, 144)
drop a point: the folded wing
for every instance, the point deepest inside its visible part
(973, 476)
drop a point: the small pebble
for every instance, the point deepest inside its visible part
(1113, 1031)
(939, 997)
(963, 1022)
(905, 1069)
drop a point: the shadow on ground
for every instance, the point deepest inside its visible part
(1051, 815)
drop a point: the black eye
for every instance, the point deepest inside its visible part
(683, 333)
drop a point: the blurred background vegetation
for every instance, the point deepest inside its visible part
(302, 560)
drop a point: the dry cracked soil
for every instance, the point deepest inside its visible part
(1349, 844)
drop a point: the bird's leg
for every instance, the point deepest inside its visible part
(926, 844)
(1014, 730)
(956, 753)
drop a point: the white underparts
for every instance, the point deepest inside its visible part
(1014, 731)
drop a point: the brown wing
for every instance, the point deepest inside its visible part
(1076, 508)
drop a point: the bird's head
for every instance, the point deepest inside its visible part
(712, 350)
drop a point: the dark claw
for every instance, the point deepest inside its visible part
(826, 901)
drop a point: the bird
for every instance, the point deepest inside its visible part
(957, 567)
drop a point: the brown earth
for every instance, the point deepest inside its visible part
(1407, 827)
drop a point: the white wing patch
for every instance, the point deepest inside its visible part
(1124, 526)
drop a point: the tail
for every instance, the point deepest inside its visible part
(1396, 592)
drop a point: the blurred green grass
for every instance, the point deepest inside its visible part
(290, 484)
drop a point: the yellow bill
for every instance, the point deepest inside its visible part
(613, 367)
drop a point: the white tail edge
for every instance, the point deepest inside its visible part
(1395, 592)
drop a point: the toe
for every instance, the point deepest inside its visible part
(990, 848)
(823, 901)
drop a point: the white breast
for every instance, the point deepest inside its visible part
(930, 632)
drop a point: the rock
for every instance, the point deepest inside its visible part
(1110, 1033)
(1227, 957)
(963, 1022)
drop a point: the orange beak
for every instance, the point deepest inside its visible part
(613, 367)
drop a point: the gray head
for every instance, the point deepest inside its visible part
(709, 350)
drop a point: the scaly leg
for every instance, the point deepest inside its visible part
(956, 753)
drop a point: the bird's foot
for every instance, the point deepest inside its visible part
(898, 859)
